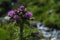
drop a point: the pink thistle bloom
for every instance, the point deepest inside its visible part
(16, 17)
(28, 14)
(21, 8)
(11, 13)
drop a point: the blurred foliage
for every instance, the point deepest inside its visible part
(3, 34)
(41, 11)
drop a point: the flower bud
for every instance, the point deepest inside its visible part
(28, 15)
(21, 8)
(11, 13)
(16, 17)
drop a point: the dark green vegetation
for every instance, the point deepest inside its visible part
(46, 10)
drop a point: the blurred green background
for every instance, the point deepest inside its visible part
(46, 10)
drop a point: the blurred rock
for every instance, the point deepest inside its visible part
(5, 19)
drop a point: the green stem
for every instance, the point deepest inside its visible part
(21, 31)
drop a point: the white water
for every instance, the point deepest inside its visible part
(5, 19)
(53, 35)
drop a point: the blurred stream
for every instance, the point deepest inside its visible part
(48, 33)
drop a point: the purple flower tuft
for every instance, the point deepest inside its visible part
(11, 13)
(28, 15)
(16, 17)
(21, 8)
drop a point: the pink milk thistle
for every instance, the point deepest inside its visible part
(11, 13)
(28, 14)
(21, 8)
(16, 17)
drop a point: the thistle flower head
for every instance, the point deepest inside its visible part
(21, 8)
(16, 17)
(11, 13)
(28, 14)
